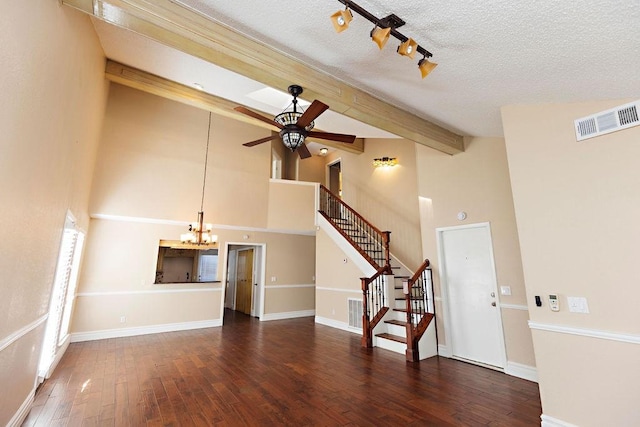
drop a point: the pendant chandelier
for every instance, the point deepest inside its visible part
(200, 233)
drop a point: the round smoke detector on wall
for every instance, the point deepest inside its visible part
(462, 215)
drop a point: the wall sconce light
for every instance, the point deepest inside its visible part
(341, 20)
(384, 28)
(385, 162)
(324, 151)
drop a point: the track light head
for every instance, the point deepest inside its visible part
(426, 67)
(408, 48)
(380, 36)
(341, 20)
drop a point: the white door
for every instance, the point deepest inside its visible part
(468, 275)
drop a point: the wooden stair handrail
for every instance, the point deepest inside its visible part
(368, 324)
(353, 211)
(384, 236)
(414, 333)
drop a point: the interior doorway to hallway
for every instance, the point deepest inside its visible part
(334, 177)
(244, 278)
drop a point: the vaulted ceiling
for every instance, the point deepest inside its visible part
(490, 54)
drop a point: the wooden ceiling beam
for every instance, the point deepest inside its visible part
(147, 82)
(188, 31)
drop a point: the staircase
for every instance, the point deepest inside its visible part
(397, 309)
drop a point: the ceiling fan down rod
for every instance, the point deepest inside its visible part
(390, 21)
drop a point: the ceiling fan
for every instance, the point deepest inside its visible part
(295, 125)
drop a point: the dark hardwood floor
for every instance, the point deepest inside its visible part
(288, 372)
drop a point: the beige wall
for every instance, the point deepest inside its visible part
(477, 182)
(312, 169)
(576, 204)
(148, 184)
(336, 281)
(53, 95)
(386, 197)
(151, 163)
(292, 206)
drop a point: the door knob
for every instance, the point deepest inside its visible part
(493, 294)
(493, 304)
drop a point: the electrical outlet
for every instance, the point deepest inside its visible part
(273, 278)
(123, 319)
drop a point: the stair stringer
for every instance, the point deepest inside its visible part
(428, 345)
(356, 258)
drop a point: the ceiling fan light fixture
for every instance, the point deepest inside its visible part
(380, 36)
(292, 138)
(408, 48)
(341, 20)
(426, 67)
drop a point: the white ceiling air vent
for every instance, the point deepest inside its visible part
(622, 117)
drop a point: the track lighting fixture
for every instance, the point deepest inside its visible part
(426, 67)
(384, 28)
(341, 20)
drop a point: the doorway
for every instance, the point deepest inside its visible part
(334, 177)
(244, 278)
(472, 313)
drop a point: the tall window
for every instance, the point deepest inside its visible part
(63, 294)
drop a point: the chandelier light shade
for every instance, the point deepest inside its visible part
(426, 67)
(385, 162)
(341, 20)
(200, 233)
(292, 135)
(383, 30)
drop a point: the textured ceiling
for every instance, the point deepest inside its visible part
(490, 54)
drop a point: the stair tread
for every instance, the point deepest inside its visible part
(402, 277)
(391, 337)
(396, 322)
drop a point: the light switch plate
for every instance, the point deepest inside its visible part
(505, 290)
(578, 305)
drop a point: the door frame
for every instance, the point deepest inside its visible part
(444, 287)
(259, 271)
(327, 177)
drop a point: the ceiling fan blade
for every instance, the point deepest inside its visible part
(255, 115)
(339, 137)
(303, 151)
(315, 109)
(260, 141)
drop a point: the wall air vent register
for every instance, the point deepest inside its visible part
(622, 117)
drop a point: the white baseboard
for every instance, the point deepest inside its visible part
(288, 315)
(144, 330)
(522, 371)
(444, 351)
(19, 417)
(338, 325)
(548, 421)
